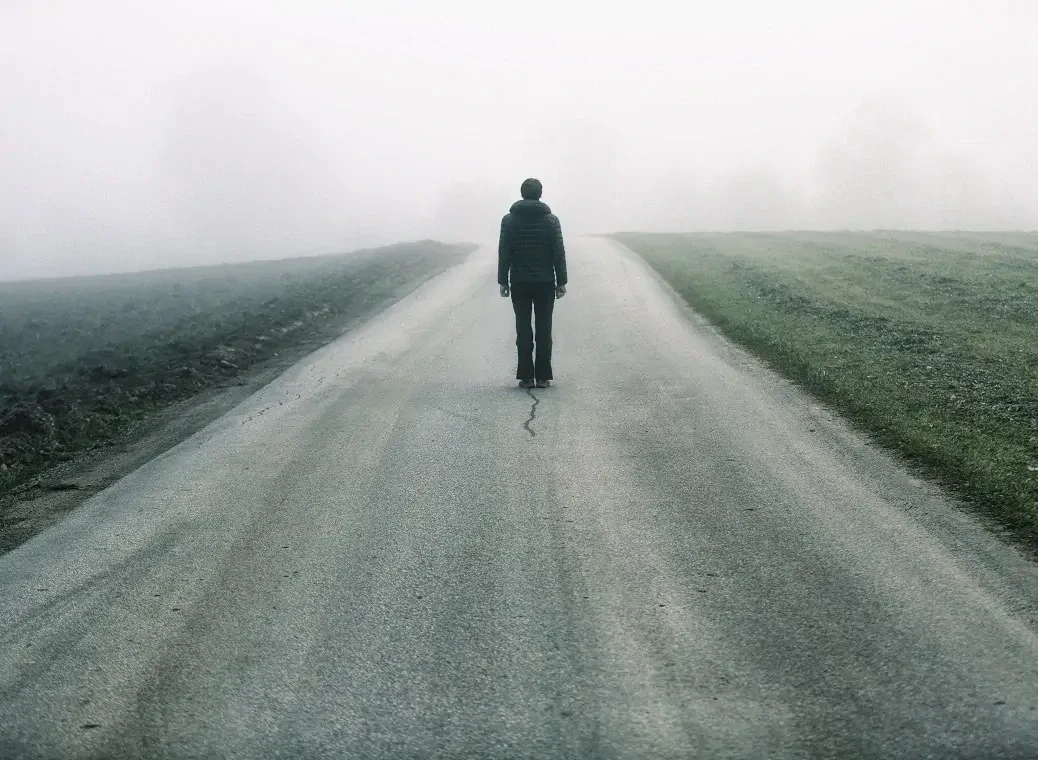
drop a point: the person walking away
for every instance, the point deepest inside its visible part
(531, 267)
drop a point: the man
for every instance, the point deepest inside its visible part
(531, 267)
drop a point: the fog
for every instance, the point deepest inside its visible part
(140, 134)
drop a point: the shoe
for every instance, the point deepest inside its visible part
(544, 383)
(526, 384)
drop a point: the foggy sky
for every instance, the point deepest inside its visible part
(138, 134)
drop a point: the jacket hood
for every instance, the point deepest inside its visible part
(531, 208)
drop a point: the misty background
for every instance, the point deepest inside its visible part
(140, 134)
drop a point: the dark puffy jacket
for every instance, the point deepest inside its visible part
(530, 247)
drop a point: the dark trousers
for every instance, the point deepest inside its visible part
(538, 298)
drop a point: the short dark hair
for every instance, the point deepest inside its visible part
(531, 189)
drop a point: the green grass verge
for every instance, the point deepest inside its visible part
(927, 341)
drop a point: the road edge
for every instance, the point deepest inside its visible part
(951, 515)
(67, 485)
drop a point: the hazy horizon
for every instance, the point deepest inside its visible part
(140, 135)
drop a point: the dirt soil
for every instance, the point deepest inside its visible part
(100, 375)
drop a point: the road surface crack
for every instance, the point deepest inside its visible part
(533, 413)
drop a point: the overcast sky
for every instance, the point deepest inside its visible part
(137, 133)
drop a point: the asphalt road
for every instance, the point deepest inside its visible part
(391, 551)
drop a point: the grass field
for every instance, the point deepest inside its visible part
(83, 358)
(927, 341)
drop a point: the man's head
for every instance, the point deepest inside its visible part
(531, 189)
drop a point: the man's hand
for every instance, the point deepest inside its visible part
(504, 291)
(560, 291)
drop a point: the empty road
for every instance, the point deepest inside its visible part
(391, 551)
